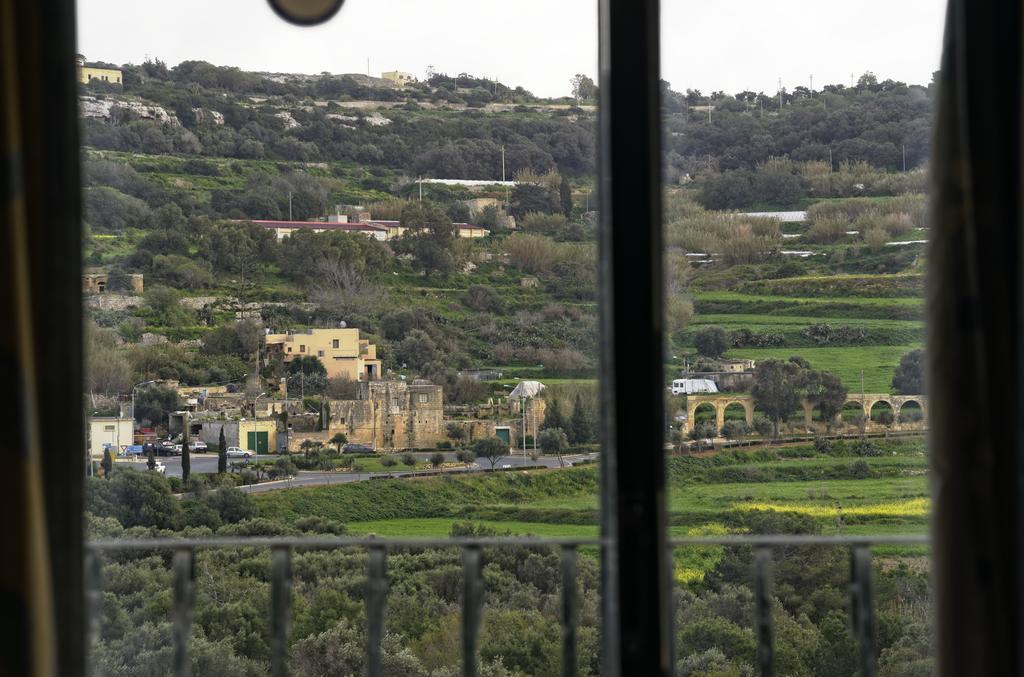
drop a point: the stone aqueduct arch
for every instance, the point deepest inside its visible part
(719, 402)
(866, 402)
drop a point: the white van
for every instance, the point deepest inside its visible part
(689, 386)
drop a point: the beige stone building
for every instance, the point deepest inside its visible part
(392, 415)
(114, 432)
(400, 78)
(341, 351)
(87, 74)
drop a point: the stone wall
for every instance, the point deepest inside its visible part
(392, 415)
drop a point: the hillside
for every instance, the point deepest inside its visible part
(179, 160)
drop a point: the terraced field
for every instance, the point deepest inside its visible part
(718, 494)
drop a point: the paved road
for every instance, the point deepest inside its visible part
(201, 463)
(207, 464)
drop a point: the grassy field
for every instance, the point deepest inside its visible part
(877, 362)
(885, 494)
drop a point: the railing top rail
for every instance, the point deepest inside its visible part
(320, 542)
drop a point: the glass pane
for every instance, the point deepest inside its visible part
(342, 282)
(796, 149)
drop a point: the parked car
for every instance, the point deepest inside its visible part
(198, 445)
(168, 448)
(357, 449)
(237, 452)
(505, 465)
(160, 468)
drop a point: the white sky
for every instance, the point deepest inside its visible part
(728, 45)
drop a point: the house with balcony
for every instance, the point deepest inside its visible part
(342, 352)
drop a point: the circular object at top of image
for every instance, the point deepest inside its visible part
(306, 12)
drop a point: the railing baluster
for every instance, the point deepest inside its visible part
(376, 593)
(862, 613)
(763, 612)
(280, 608)
(93, 597)
(569, 613)
(184, 592)
(472, 606)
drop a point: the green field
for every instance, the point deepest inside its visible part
(877, 362)
(837, 494)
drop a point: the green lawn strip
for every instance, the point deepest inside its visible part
(424, 497)
(777, 322)
(877, 362)
(913, 301)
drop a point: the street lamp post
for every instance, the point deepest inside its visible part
(255, 427)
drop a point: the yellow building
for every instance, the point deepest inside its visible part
(87, 74)
(341, 351)
(113, 432)
(400, 78)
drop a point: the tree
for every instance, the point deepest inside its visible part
(338, 440)
(553, 416)
(155, 402)
(909, 376)
(222, 452)
(529, 197)
(186, 460)
(417, 349)
(107, 463)
(733, 430)
(565, 197)
(581, 425)
(826, 391)
(776, 390)
(437, 459)
(388, 461)
(711, 342)
(553, 441)
(408, 460)
(491, 448)
(583, 88)
(456, 432)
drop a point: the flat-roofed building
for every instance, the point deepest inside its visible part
(342, 352)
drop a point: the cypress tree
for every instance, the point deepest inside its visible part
(565, 197)
(581, 427)
(186, 461)
(107, 463)
(553, 417)
(222, 454)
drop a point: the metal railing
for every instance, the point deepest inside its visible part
(862, 619)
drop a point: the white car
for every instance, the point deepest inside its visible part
(505, 465)
(160, 468)
(237, 452)
(198, 445)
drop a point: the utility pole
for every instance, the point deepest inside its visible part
(710, 106)
(421, 189)
(780, 95)
(830, 159)
(812, 85)
(865, 415)
(289, 205)
(503, 164)
(904, 157)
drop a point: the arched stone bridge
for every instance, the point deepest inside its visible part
(866, 403)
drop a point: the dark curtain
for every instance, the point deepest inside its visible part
(974, 342)
(42, 447)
